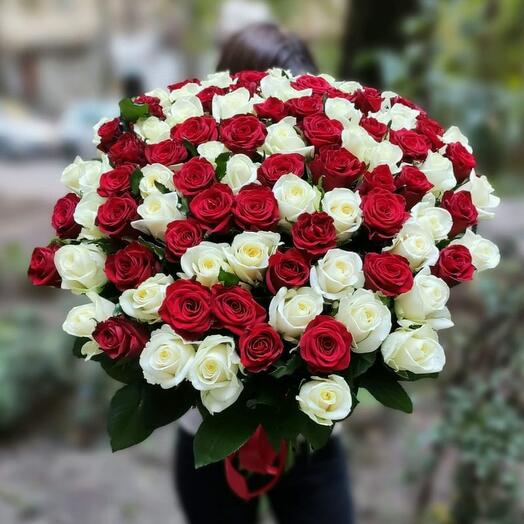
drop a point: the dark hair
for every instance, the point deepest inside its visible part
(261, 46)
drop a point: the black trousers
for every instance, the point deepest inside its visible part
(316, 490)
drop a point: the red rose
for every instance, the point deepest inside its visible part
(235, 309)
(196, 129)
(336, 166)
(387, 273)
(271, 108)
(116, 182)
(431, 129)
(317, 84)
(305, 106)
(288, 269)
(383, 213)
(242, 133)
(415, 146)
(187, 308)
(260, 346)
(120, 337)
(367, 99)
(167, 153)
(130, 266)
(461, 209)
(321, 130)
(115, 215)
(63, 216)
(375, 128)
(194, 176)
(182, 83)
(279, 164)
(249, 79)
(454, 265)
(109, 132)
(42, 270)
(128, 149)
(256, 208)
(314, 233)
(155, 109)
(212, 207)
(412, 184)
(326, 345)
(180, 236)
(463, 161)
(207, 94)
(379, 178)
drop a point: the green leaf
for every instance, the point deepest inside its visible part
(159, 251)
(190, 147)
(287, 368)
(162, 188)
(136, 176)
(221, 163)
(138, 409)
(77, 346)
(408, 376)
(359, 364)
(222, 434)
(228, 279)
(316, 434)
(183, 206)
(122, 370)
(131, 112)
(384, 386)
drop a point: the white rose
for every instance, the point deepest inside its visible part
(152, 129)
(157, 211)
(221, 79)
(90, 349)
(366, 318)
(358, 141)
(144, 302)
(436, 220)
(81, 320)
(481, 195)
(415, 350)
(249, 254)
(343, 206)
(399, 116)
(82, 176)
(336, 273)
(214, 372)
(425, 302)
(384, 153)
(282, 137)
(167, 358)
(342, 110)
(348, 86)
(291, 310)
(237, 102)
(240, 171)
(484, 253)
(295, 196)
(187, 90)
(324, 400)
(81, 267)
(415, 243)
(439, 171)
(454, 134)
(152, 174)
(210, 150)
(85, 214)
(182, 109)
(204, 262)
(279, 86)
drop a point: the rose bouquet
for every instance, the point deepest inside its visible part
(261, 246)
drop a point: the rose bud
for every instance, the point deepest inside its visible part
(288, 269)
(194, 176)
(461, 209)
(279, 164)
(314, 233)
(130, 266)
(256, 208)
(242, 133)
(115, 215)
(250, 79)
(116, 182)
(212, 208)
(108, 133)
(375, 128)
(42, 270)
(260, 346)
(187, 309)
(128, 149)
(454, 265)
(367, 99)
(337, 167)
(463, 161)
(197, 130)
(384, 213)
(412, 184)
(272, 108)
(119, 337)
(387, 273)
(63, 216)
(167, 153)
(326, 345)
(321, 130)
(379, 178)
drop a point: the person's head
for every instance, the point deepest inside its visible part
(261, 46)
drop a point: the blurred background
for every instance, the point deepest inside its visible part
(65, 63)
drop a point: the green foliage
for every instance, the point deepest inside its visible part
(136, 176)
(131, 112)
(221, 163)
(226, 278)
